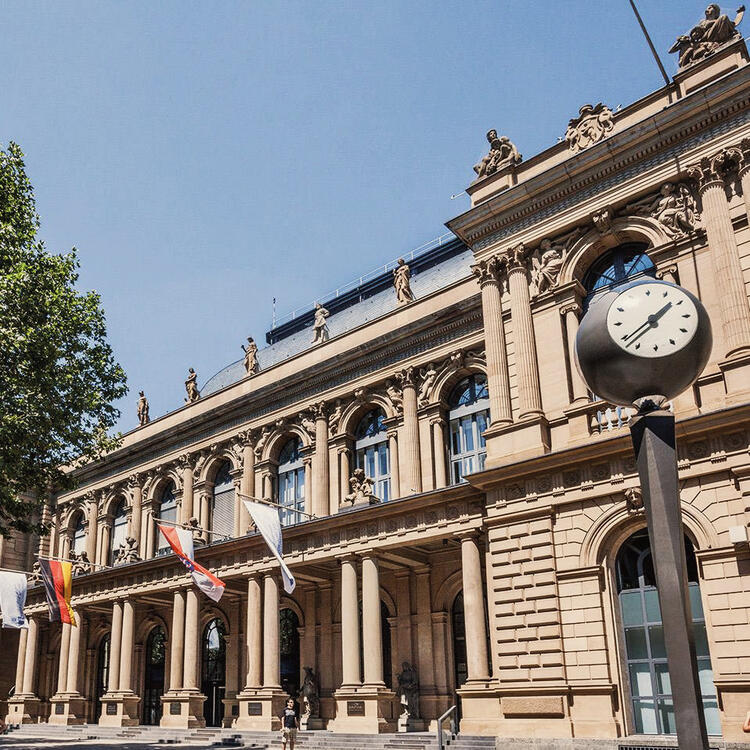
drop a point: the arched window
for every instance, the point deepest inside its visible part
(291, 482)
(620, 264)
(222, 503)
(167, 511)
(371, 448)
(650, 689)
(119, 529)
(153, 678)
(102, 675)
(79, 534)
(213, 672)
(469, 415)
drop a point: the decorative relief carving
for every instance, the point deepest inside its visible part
(334, 418)
(602, 220)
(591, 125)
(720, 168)
(488, 270)
(707, 36)
(633, 499)
(674, 208)
(361, 489)
(572, 478)
(515, 491)
(697, 449)
(515, 257)
(265, 434)
(600, 472)
(502, 154)
(427, 377)
(127, 552)
(307, 422)
(395, 396)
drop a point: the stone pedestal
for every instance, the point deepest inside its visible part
(119, 709)
(365, 710)
(260, 709)
(231, 710)
(310, 723)
(523, 439)
(408, 723)
(23, 709)
(736, 371)
(182, 709)
(67, 709)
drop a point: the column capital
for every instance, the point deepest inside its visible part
(717, 169)
(407, 377)
(320, 410)
(247, 438)
(468, 535)
(570, 307)
(515, 258)
(488, 271)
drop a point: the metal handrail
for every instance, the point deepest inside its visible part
(451, 710)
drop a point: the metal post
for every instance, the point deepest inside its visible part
(653, 434)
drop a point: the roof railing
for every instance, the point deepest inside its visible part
(358, 282)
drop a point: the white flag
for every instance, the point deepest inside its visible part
(266, 518)
(13, 588)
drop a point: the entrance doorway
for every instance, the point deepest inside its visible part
(289, 651)
(643, 635)
(153, 682)
(102, 675)
(213, 673)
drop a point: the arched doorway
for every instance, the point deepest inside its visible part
(643, 636)
(289, 651)
(385, 640)
(153, 680)
(214, 671)
(460, 669)
(102, 675)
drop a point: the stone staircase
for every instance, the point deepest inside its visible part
(210, 737)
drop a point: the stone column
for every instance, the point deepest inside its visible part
(271, 676)
(190, 663)
(326, 655)
(345, 473)
(27, 657)
(126, 651)
(393, 458)
(372, 641)
(710, 175)
(23, 640)
(570, 313)
(242, 518)
(320, 462)
(307, 647)
(254, 634)
(524, 344)
(307, 463)
(92, 513)
(115, 643)
(411, 468)
(349, 624)
(62, 666)
(488, 272)
(136, 499)
(74, 653)
(474, 615)
(186, 465)
(438, 443)
(177, 637)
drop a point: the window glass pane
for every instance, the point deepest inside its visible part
(481, 427)
(370, 462)
(666, 715)
(656, 639)
(701, 639)
(467, 434)
(663, 685)
(640, 680)
(711, 712)
(632, 610)
(644, 714)
(635, 643)
(482, 459)
(696, 605)
(455, 439)
(653, 613)
(383, 459)
(706, 677)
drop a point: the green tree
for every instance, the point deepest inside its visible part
(58, 376)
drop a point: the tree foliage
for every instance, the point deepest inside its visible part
(58, 376)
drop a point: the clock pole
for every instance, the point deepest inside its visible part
(653, 434)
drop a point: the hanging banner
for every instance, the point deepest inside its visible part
(13, 588)
(181, 542)
(57, 577)
(266, 518)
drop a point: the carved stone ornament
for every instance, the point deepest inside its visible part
(191, 386)
(488, 270)
(634, 499)
(591, 125)
(320, 327)
(307, 422)
(502, 154)
(361, 489)
(602, 220)
(81, 563)
(334, 418)
(408, 693)
(262, 440)
(142, 409)
(251, 356)
(310, 694)
(708, 35)
(127, 552)
(721, 168)
(427, 377)
(674, 208)
(402, 282)
(515, 258)
(394, 395)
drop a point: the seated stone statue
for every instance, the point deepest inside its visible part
(361, 486)
(127, 552)
(714, 31)
(82, 564)
(502, 153)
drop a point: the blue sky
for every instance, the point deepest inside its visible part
(206, 157)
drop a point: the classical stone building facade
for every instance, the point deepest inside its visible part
(499, 547)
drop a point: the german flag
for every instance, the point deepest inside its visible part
(58, 582)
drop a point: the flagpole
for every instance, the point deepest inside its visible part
(191, 528)
(74, 562)
(10, 570)
(276, 505)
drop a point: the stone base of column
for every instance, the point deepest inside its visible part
(23, 709)
(736, 371)
(523, 439)
(67, 709)
(579, 421)
(182, 709)
(231, 709)
(365, 710)
(119, 709)
(260, 709)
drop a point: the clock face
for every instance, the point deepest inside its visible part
(652, 320)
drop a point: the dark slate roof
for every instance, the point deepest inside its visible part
(433, 270)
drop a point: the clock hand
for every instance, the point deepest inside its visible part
(651, 322)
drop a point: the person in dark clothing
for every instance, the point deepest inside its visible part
(289, 725)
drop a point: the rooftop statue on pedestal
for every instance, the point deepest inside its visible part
(143, 417)
(191, 386)
(251, 356)
(501, 154)
(402, 283)
(320, 327)
(715, 30)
